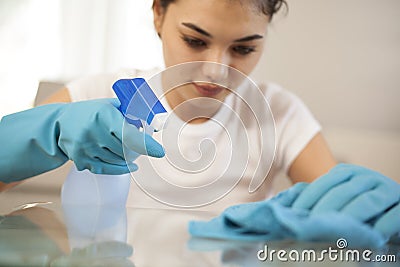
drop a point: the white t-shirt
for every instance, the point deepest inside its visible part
(217, 159)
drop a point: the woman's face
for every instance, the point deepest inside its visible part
(229, 32)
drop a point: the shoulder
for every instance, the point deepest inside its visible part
(285, 105)
(281, 101)
(279, 98)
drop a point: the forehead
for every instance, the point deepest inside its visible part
(226, 14)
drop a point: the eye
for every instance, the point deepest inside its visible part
(243, 50)
(193, 42)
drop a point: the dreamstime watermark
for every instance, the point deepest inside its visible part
(340, 253)
(236, 143)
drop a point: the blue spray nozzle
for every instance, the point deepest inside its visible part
(139, 103)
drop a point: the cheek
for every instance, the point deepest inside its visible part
(246, 64)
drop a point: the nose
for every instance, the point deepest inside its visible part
(216, 69)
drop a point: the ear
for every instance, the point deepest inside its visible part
(158, 14)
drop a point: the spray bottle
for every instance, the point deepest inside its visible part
(93, 203)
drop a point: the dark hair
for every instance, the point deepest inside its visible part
(267, 7)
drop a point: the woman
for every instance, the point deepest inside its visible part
(231, 33)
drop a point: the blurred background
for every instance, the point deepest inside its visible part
(342, 57)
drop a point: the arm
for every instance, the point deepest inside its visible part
(59, 96)
(313, 161)
(62, 96)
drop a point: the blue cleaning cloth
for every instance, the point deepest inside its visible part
(278, 218)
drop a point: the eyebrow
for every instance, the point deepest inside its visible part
(205, 33)
(197, 29)
(249, 38)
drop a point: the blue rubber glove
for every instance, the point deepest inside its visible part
(358, 192)
(388, 224)
(275, 219)
(88, 132)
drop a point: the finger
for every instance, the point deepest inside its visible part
(389, 223)
(341, 195)
(100, 167)
(108, 130)
(114, 101)
(102, 154)
(372, 203)
(314, 191)
(111, 143)
(287, 197)
(141, 142)
(128, 134)
(113, 169)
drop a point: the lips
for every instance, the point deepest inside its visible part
(208, 90)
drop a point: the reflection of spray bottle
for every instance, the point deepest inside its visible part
(96, 193)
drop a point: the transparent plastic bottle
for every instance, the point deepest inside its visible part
(94, 205)
(140, 107)
(86, 188)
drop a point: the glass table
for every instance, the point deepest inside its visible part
(57, 234)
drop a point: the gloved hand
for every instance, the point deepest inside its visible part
(349, 202)
(357, 192)
(388, 224)
(88, 132)
(277, 219)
